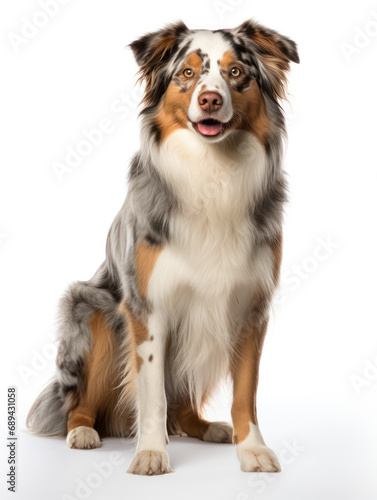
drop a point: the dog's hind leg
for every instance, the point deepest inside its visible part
(91, 363)
(95, 387)
(188, 422)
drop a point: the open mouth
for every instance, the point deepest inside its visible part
(210, 127)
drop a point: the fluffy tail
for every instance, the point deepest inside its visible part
(47, 416)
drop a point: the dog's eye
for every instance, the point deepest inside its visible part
(235, 71)
(188, 73)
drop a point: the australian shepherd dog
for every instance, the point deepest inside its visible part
(192, 259)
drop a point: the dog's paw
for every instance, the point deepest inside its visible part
(83, 438)
(150, 463)
(259, 459)
(219, 432)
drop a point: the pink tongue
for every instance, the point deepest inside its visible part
(212, 129)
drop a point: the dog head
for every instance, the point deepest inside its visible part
(212, 82)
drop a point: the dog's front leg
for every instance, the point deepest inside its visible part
(251, 449)
(149, 345)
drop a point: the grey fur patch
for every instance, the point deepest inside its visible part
(266, 214)
(206, 63)
(145, 215)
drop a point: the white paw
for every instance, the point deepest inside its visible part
(83, 438)
(259, 459)
(150, 463)
(219, 432)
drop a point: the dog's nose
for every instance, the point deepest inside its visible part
(210, 101)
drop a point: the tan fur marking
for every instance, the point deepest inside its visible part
(146, 257)
(138, 334)
(228, 58)
(277, 69)
(267, 44)
(173, 111)
(137, 326)
(155, 61)
(78, 419)
(193, 61)
(139, 362)
(245, 382)
(275, 61)
(248, 106)
(277, 249)
(192, 424)
(96, 389)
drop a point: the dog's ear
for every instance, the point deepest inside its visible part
(269, 42)
(153, 47)
(274, 53)
(152, 53)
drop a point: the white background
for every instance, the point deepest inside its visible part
(316, 393)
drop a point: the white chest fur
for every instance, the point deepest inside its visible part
(204, 278)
